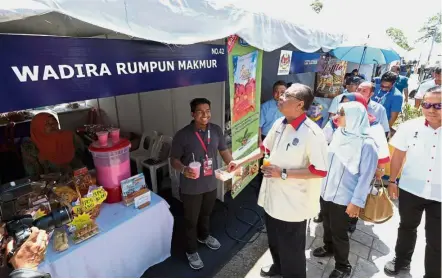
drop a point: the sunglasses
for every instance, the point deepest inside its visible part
(426, 105)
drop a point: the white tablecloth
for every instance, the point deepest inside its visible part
(129, 242)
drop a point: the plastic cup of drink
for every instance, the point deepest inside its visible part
(102, 137)
(196, 168)
(115, 134)
(266, 162)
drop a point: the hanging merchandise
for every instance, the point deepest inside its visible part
(330, 77)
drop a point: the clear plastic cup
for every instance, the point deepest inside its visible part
(115, 134)
(266, 162)
(196, 168)
(102, 137)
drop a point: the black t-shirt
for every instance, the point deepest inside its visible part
(186, 144)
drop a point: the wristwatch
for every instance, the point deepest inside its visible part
(284, 174)
(392, 182)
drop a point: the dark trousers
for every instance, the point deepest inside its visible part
(197, 211)
(336, 222)
(411, 208)
(287, 246)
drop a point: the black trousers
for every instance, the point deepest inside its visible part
(336, 222)
(197, 211)
(287, 246)
(411, 208)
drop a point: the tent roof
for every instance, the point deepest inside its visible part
(265, 25)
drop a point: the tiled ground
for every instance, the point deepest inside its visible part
(371, 246)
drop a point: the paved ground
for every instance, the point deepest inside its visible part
(371, 246)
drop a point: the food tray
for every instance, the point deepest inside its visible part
(77, 241)
(223, 175)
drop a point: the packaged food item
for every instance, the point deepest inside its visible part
(65, 193)
(82, 180)
(91, 202)
(85, 232)
(133, 187)
(39, 207)
(60, 241)
(222, 174)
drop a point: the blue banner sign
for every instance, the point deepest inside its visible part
(38, 71)
(304, 62)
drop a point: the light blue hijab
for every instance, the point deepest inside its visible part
(348, 141)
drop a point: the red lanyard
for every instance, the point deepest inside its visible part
(203, 145)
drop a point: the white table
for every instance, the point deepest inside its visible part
(130, 241)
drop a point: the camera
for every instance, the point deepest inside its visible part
(20, 226)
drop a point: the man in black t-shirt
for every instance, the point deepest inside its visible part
(199, 141)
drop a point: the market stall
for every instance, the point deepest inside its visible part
(137, 86)
(110, 68)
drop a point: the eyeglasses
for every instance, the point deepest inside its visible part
(426, 105)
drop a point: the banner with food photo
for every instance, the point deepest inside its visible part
(330, 77)
(245, 70)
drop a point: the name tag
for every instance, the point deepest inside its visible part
(208, 167)
(142, 200)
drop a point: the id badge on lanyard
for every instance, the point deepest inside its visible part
(208, 162)
(383, 98)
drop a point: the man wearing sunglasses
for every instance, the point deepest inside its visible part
(418, 143)
(389, 96)
(435, 81)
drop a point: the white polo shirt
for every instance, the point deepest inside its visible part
(421, 174)
(423, 88)
(298, 145)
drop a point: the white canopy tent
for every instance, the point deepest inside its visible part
(265, 25)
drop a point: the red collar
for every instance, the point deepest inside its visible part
(297, 122)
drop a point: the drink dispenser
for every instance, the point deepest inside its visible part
(112, 163)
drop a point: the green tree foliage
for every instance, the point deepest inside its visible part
(317, 6)
(431, 28)
(398, 37)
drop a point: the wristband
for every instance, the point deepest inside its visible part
(380, 169)
(392, 182)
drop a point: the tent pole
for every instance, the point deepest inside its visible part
(362, 58)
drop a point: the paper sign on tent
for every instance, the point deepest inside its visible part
(285, 60)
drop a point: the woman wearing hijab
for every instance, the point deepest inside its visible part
(353, 157)
(50, 149)
(376, 132)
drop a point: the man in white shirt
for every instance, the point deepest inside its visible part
(366, 89)
(435, 81)
(291, 187)
(418, 143)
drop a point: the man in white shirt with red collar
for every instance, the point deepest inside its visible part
(291, 187)
(418, 143)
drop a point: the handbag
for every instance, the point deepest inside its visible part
(378, 207)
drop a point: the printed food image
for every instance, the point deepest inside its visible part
(254, 168)
(244, 91)
(245, 138)
(244, 99)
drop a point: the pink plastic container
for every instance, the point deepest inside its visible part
(196, 167)
(115, 134)
(112, 164)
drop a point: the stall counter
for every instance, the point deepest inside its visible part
(130, 241)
